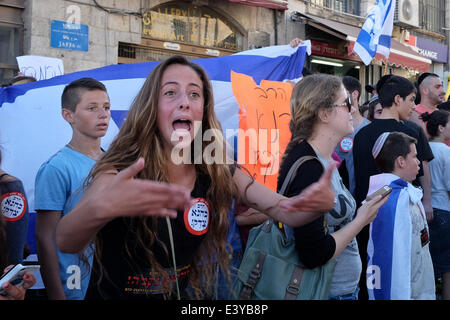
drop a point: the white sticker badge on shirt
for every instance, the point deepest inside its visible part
(196, 218)
(13, 205)
(346, 144)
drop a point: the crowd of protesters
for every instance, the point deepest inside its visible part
(122, 217)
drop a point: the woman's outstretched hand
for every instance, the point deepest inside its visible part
(318, 197)
(125, 195)
(113, 195)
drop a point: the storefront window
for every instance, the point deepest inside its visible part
(190, 24)
(9, 50)
(336, 67)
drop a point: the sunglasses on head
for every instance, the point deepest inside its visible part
(347, 103)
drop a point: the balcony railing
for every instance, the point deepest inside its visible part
(432, 15)
(347, 6)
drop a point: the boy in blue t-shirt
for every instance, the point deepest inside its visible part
(59, 182)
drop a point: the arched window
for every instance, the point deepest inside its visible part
(186, 23)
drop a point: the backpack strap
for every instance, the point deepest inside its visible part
(293, 288)
(291, 175)
(253, 278)
(293, 172)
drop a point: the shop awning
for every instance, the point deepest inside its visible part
(400, 55)
(271, 4)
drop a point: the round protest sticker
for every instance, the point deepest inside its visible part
(13, 205)
(346, 144)
(196, 218)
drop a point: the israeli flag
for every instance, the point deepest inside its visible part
(32, 128)
(389, 247)
(396, 271)
(375, 35)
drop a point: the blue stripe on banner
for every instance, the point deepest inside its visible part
(383, 241)
(385, 41)
(364, 40)
(119, 116)
(261, 68)
(112, 72)
(388, 10)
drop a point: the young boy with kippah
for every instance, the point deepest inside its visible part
(399, 260)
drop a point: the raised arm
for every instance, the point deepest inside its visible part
(114, 195)
(295, 211)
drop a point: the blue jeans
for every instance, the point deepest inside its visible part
(440, 241)
(223, 289)
(350, 296)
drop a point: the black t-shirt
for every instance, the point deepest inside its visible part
(313, 245)
(364, 142)
(130, 278)
(14, 211)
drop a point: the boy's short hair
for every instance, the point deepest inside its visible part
(397, 144)
(71, 95)
(389, 86)
(372, 104)
(352, 84)
(364, 107)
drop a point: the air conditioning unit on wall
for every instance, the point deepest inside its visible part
(407, 13)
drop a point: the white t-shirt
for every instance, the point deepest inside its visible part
(440, 175)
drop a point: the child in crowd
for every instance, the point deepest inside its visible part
(86, 107)
(399, 261)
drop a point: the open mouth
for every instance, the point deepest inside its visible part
(182, 124)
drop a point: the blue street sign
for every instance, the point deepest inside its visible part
(69, 36)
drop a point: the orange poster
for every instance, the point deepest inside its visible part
(263, 125)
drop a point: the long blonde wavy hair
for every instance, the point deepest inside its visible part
(139, 136)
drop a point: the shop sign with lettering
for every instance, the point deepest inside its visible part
(432, 50)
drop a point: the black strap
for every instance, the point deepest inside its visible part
(253, 278)
(291, 175)
(293, 172)
(2, 175)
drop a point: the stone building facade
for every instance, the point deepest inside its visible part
(116, 31)
(117, 26)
